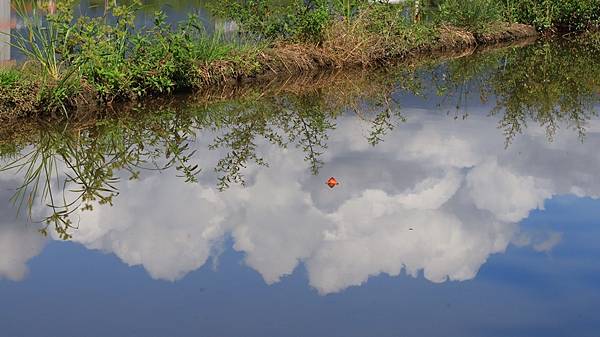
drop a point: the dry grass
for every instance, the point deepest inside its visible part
(452, 38)
(504, 32)
(351, 44)
(347, 46)
(294, 58)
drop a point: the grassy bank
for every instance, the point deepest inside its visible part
(86, 63)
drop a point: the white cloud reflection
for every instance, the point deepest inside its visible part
(437, 197)
(19, 241)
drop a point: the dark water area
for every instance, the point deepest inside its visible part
(467, 205)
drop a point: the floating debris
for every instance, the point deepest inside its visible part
(332, 182)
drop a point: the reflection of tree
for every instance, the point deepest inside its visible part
(239, 124)
(464, 81)
(302, 121)
(549, 84)
(70, 169)
(84, 165)
(382, 124)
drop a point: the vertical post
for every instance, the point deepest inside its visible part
(5, 26)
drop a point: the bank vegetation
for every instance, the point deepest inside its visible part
(79, 64)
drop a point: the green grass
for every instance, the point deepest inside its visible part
(8, 77)
(475, 15)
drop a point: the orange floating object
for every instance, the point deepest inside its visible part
(332, 182)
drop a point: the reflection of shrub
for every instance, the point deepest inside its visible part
(474, 15)
(556, 14)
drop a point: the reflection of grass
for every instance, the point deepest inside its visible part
(84, 166)
(39, 167)
(557, 88)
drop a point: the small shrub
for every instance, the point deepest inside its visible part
(391, 21)
(570, 15)
(261, 20)
(474, 15)
(309, 24)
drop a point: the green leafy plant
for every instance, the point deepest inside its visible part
(474, 15)
(263, 20)
(569, 15)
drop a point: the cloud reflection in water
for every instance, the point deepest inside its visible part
(452, 182)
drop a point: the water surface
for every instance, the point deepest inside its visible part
(467, 206)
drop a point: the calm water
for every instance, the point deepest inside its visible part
(467, 206)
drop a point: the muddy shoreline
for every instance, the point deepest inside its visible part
(293, 59)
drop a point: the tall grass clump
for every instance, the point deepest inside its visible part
(374, 34)
(392, 23)
(42, 40)
(43, 44)
(345, 32)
